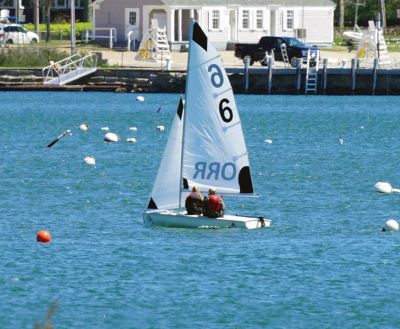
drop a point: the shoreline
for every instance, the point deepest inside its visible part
(279, 81)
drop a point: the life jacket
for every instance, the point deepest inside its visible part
(214, 202)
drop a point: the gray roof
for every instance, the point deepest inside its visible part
(250, 3)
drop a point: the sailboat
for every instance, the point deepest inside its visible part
(205, 148)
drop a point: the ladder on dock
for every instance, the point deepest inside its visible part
(311, 74)
(69, 69)
(382, 54)
(285, 56)
(154, 47)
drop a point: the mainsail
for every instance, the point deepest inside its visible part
(214, 151)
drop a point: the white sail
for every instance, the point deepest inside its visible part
(166, 189)
(214, 152)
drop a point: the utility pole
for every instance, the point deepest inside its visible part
(356, 16)
(341, 14)
(73, 36)
(16, 11)
(36, 15)
(383, 13)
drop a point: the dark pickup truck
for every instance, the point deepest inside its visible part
(257, 52)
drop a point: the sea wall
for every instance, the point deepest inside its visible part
(331, 81)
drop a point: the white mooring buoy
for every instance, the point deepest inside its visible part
(385, 187)
(140, 98)
(391, 225)
(131, 140)
(105, 128)
(160, 128)
(133, 128)
(268, 141)
(90, 160)
(111, 138)
(84, 127)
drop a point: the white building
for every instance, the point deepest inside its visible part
(225, 22)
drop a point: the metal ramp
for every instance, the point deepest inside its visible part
(311, 74)
(285, 56)
(69, 69)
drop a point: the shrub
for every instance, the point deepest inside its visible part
(29, 57)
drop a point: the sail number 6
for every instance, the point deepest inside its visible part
(217, 80)
(225, 111)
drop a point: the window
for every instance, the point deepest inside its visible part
(132, 18)
(7, 4)
(215, 19)
(66, 4)
(78, 4)
(259, 19)
(246, 19)
(289, 19)
(59, 3)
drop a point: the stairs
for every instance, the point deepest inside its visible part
(373, 45)
(311, 75)
(383, 55)
(285, 56)
(154, 47)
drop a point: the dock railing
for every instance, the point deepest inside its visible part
(69, 69)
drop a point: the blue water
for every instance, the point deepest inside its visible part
(324, 264)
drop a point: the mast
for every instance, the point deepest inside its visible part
(184, 112)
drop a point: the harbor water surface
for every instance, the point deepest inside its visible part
(324, 264)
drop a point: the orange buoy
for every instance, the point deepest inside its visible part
(43, 236)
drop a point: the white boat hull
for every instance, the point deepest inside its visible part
(181, 220)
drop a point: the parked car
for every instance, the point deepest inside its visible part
(16, 34)
(257, 52)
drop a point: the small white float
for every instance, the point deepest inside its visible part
(105, 128)
(111, 138)
(341, 141)
(268, 141)
(90, 160)
(140, 98)
(84, 127)
(133, 128)
(160, 128)
(385, 187)
(131, 140)
(391, 225)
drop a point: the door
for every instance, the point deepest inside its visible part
(161, 17)
(132, 23)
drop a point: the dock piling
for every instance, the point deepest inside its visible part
(298, 74)
(353, 75)
(374, 75)
(246, 62)
(269, 75)
(324, 75)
